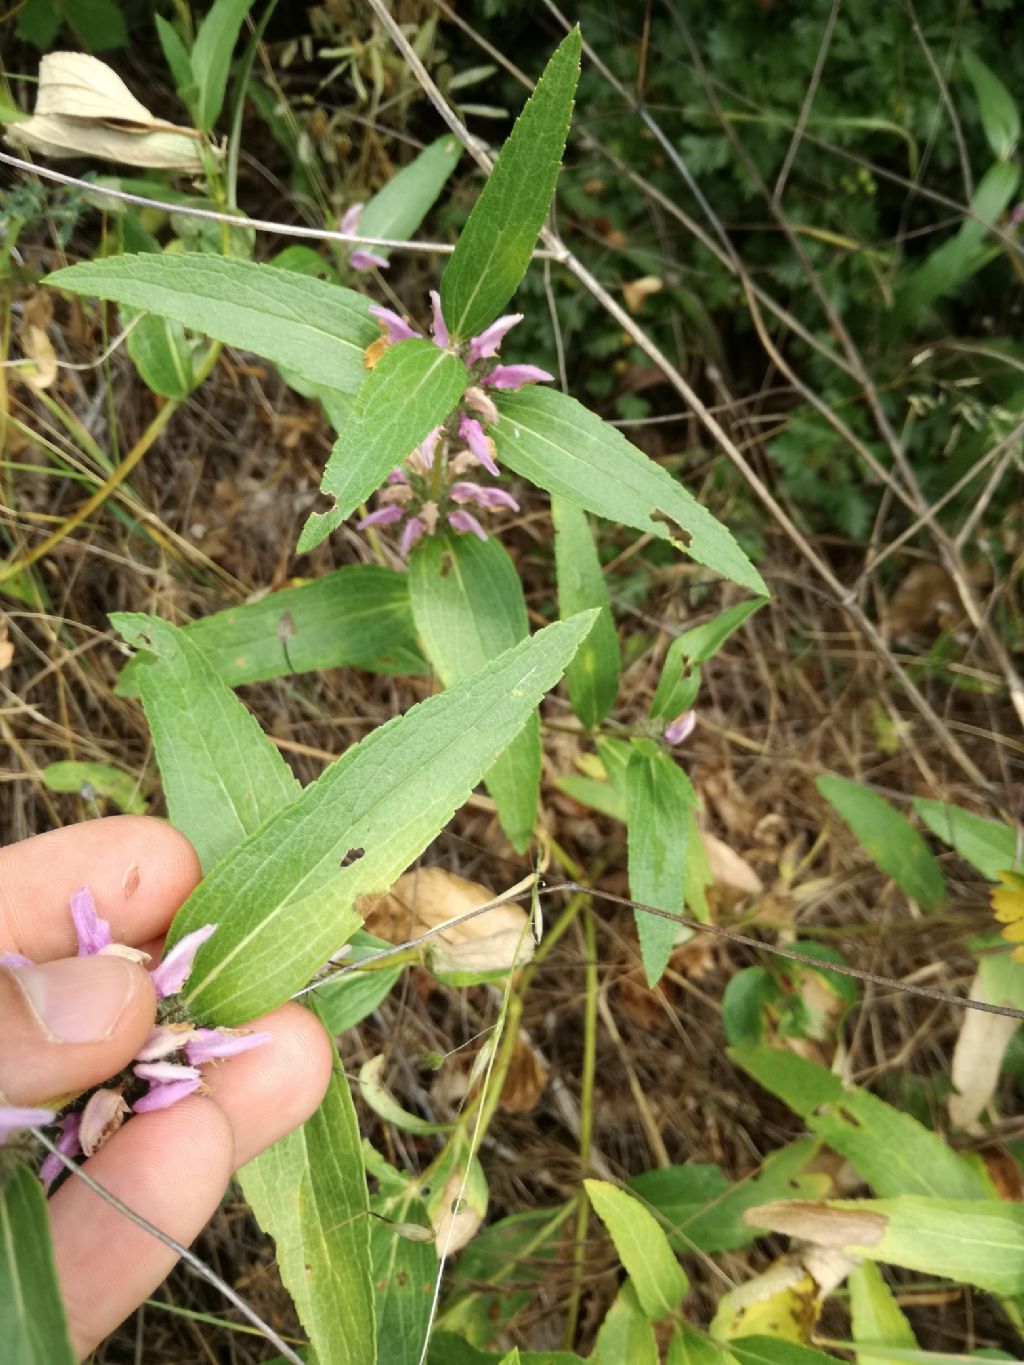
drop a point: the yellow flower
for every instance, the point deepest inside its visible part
(1008, 908)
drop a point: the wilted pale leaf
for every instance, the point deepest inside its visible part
(635, 291)
(783, 1300)
(815, 1222)
(38, 348)
(984, 1038)
(728, 869)
(83, 108)
(457, 1212)
(421, 900)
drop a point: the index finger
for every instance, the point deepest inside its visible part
(139, 870)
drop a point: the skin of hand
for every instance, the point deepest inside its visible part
(72, 1022)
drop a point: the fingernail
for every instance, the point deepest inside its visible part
(79, 999)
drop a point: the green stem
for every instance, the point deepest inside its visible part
(586, 1125)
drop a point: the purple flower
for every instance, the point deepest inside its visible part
(68, 1143)
(480, 444)
(208, 1044)
(384, 516)
(163, 1095)
(398, 476)
(15, 960)
(13, 1119)
(439, 329)
(486, 344)
(466, 521)
(172, 972)
(483, 497)
(1017, 215)
(93, 933)
(411, 532)
(159, 1073)
(103, 1115)
(515, 376)
(681, 728)
(165, 1039)
(350, 220)
(361, 259)
(396, 327)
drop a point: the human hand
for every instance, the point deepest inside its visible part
(88, 1017)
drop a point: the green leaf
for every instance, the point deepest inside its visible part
(281, 899)
(448, 1349)
(97, 24)
(743, 1004)
(494, 250)
(999, 116)
(694, 647)
(888, 838)
(658, 796)
(376, 1096)
(468, 605)
(344, 1001)
(397, 210)
(319, 330)
(775, 1351)
(988, 845)
(32, 1323)
(704, 1211)
(161, 353)
(690, 1347)
(593, 676)
(626, 1333)
(211, 57)
(104, 779)
(176, 56)
(561, 446)
(309, 1192)
(591, 791)
(657, 1277)
(891, 1150)
(411, 390)
(971, 1241)
(358, 615)
(875, 1316)
(39, 23)
(404, 1268)
(222, 777)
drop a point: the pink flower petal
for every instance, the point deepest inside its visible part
(466, 521)
(350, 219)
(13, 1118)
(15, 960)
(362, 259)
(165, 1039)
(483, 497)
(93, 933)
(681, 728)
(396, 327)
(67, 1143)
(208, 1044)
(439, 330)
(515, 376)
(480, 444)
(384, 516)
(173, 971)
(481, 403)
(163, 1096)
(411, 533)
(486, 344)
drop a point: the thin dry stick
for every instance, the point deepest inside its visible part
(523, 888)
(564, 256)
(805, 108)
(190, 1258)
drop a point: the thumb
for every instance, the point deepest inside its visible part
(70, 1024)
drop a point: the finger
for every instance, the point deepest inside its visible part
(138, 869)
(269, 1091)
(70, 1024)
(172, 1167)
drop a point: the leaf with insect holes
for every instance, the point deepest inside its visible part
(309, 1192)
(317, 329)
(494, 250)
(410, 391)
(32, 1323)
(282, 899)
(222, 776)
(658, 797)
(468, 605)
(563, 447)
(888, 838)
(658, 1278)
(593, 676)
(354, 616)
